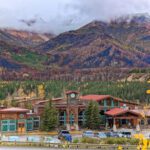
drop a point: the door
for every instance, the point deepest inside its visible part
(21, 127)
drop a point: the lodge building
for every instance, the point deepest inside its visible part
(72, 108)
(114, 112)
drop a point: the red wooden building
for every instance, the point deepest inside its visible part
(123, 117)
(72, 107)
(17, 119)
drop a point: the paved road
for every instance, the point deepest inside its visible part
(26, 148)
(23, 148)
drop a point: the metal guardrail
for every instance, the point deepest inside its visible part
(69, 145)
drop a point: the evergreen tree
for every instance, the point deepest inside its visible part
(14, 103)
(5, 103)
(28, 105)
(96, 116)
(49, 118)
(92, 118)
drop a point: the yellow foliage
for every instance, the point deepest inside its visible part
(148, 92)
(41, 91)
(139, 136)
(119, 147)
(145, 142)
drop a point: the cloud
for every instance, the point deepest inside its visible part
(63, 15)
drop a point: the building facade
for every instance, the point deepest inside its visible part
(72, 107)
(19, 120)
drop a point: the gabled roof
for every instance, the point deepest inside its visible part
(94, 97)
(14, 109)
(53, 100)
(119, 111)
(116, 111)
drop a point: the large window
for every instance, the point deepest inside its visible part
(62, 118)
(36, 123)
(8, 125)
(71, 119)
(81, 118)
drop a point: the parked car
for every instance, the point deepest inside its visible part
(125, 134)
(113, 134)
(65, 135)
(88, 134)
(101, 135)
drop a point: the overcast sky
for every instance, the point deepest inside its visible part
(57, 16)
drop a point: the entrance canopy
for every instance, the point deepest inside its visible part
(122, 113)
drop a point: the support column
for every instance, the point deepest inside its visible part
(67, 119)
(138, 125)
(76, 119)
(114, 125)
(106, 126)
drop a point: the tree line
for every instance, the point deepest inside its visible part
(133, 91)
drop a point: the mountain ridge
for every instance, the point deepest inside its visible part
(119, 43)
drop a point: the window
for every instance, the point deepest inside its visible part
(116, 103)
(124, 121)
(109, 102)
(101, 103)
(65, 132)
(148, 121)
(142, 122)
(71, 119)
(36, 124)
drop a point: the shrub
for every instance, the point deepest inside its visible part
(123, 141)
(76, 140)
(134, 141)
(90, 140)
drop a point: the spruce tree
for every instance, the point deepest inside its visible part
(96, 116)
(92, 118)
(49, 118)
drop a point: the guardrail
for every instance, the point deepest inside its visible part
(69, 145)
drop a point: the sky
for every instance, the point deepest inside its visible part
(57, 16)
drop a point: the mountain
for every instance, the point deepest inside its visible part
(24, 38)
(16, 51)
(119, 43)
(98, 50)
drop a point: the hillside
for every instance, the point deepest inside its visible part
(120, 43)
(33, 89)
(23, 38)
(96, 51)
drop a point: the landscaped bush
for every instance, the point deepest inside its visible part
(122, 141)
(90, 140)
(76, 140)
(118, 141)
(134, 141)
